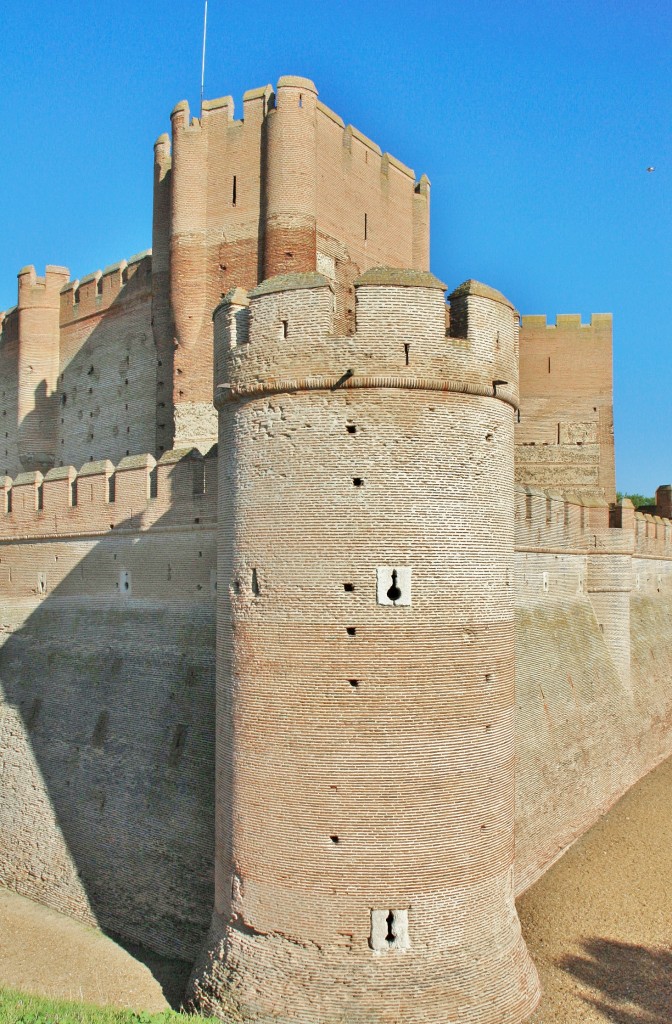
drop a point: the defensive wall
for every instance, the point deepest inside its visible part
(107, 581)
(107, 713)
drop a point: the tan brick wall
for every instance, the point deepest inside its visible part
(107, 698)
(565, 436)
(106, 398)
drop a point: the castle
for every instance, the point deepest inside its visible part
(439, 644)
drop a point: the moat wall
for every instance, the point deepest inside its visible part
(107, 714)
(107, 702)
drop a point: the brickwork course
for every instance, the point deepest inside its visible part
(365, 619)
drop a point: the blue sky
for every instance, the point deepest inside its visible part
(535, 122)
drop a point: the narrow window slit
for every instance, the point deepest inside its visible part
(407, 353)
(234, 191)
(285, 328)
(389, 920)
(256, 590)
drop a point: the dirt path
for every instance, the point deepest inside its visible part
(599, 923)
(46, 953)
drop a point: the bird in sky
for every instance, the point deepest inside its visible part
(649, 169)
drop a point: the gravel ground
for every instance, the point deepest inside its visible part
(599, 923)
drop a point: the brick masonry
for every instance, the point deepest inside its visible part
(430, 679)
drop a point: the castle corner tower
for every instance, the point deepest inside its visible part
(365, 770)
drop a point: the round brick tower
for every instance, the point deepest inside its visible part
(365, 787)
(290, 243)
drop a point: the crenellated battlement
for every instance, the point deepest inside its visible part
(281, 336)
(549, 521)
(567, 321)
(139, 492)
(123, 281)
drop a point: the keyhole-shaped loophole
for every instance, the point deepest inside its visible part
(394, 593)
(389, 921)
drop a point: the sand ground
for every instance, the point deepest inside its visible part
(45, 953)
(598, 924)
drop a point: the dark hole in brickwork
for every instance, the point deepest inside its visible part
(335, 840)
(33, 714)
(348, 587)
(177, 745)
(354, 682)
(351, 428)
(407, 353)
(101, 730)
(255, 583)
(357, 481)
(351, 630)
(64, 398)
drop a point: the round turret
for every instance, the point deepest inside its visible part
(291, 175)
(365, 659)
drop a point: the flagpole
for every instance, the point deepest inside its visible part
(205, 31)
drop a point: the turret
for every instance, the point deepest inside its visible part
(291, 179)
(365, 787)
(38, 365)
(162, 320)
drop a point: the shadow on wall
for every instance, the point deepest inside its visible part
(634, 983)
(107, 719)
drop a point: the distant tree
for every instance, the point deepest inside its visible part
(636, 499)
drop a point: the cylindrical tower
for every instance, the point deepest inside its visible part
(162, 320)
(290, 179)
(365, 768)
(38, 365)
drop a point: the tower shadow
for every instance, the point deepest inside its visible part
(107, 706)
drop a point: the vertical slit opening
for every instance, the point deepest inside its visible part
(255, 583)
(407, 353)
(234, 191)
(285, 328)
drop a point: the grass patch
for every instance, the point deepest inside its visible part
(21, 1008)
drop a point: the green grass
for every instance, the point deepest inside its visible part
(21, 1008)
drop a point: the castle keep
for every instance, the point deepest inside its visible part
(305, 684)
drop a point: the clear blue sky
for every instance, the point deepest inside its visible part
(534, 120)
